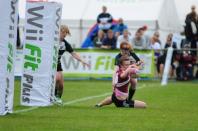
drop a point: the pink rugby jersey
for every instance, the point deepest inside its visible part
(121, 84)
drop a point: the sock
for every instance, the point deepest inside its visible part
(59, 91)
(131, 93)
(56, 90)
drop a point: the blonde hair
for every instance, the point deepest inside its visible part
(65, 28)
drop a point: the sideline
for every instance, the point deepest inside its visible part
(73, 101)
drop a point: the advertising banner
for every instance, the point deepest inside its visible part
(8, 34)
(102, 63)
(18, 62)
(40, 52)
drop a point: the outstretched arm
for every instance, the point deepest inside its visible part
(114, 76)
(131, 70)
(77, 57)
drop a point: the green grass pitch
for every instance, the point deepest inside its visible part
(170, 108)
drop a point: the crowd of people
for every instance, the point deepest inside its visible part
(110, 36)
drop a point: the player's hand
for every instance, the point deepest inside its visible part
(140, 62)
(86, 64)
(133, 66)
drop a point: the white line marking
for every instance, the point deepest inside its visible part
(74, 101)
(85, 99)
(66, 103)
(25, 110)
(143, 86)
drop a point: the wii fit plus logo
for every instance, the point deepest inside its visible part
(34, 34)
(33, 59)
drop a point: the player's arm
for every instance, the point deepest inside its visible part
(114, 75)
(138, 60)
(74, 54)
(77, 57)
(116, 68)
(131, 70)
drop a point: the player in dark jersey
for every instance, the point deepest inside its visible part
(64, 46)
(125, 49)
(124, 74)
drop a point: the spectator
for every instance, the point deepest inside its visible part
(98, 39)
(110, 41)
(155, 46)
(104, 20)
(156, 37)
(120, 27)
(138, 41)
(187, 62)
(191, 28)
(161, 60)
(143, 30)
(126, 37)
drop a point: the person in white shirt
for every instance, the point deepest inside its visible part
(104, 20)
(126, 37)
(139, 42)
(155, 45)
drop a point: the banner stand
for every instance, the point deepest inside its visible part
(42, 24)
(167, 66)
(8, 35)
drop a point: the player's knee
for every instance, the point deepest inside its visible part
(133, 87)
(58, 77)
(133, 82)
(58, 80)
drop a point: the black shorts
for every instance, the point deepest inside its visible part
(124, 103)
(59, 67)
